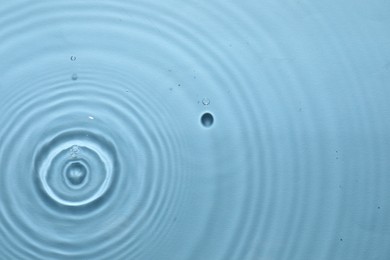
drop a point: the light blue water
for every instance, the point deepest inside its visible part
(202, 130)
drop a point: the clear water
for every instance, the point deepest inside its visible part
(195, 130)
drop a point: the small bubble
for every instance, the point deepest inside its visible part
(73, 155)
(74, 76)
(75, 148)
(206, 101)
(72, 58)
(207, 119)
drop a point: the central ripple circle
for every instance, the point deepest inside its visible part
(76, 173)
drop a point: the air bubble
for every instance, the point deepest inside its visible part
(72, 58)
(74, 76)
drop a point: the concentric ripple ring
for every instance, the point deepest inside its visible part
(64, 164)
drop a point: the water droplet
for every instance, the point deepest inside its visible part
(207, 119)
(74, 76)
(206, 101)
(76, 173)
(72, 58)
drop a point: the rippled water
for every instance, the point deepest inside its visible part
(195, 130)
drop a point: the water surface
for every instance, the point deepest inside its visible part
(218, 130)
